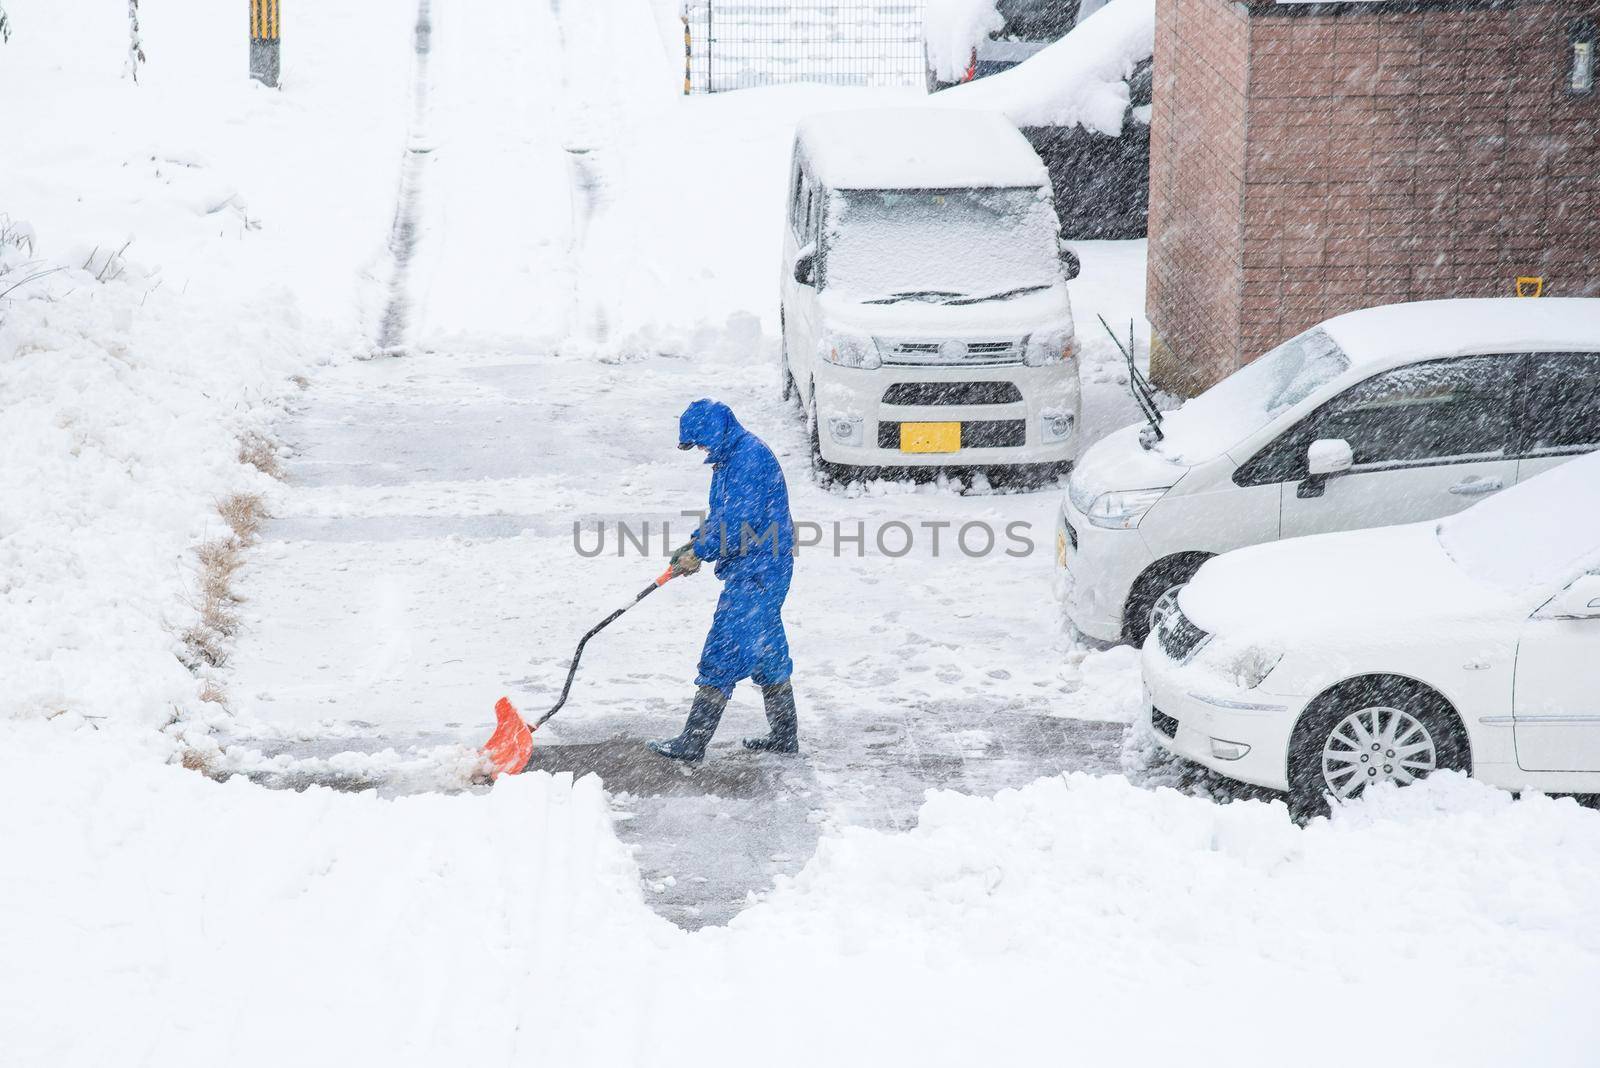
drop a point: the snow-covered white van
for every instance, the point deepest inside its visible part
(925, 311)
(1388, 415)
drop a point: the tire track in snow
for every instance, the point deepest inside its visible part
(395, 323)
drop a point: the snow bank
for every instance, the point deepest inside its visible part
(1079, 80)
(226, 924)
(150, 915)
(205, 239)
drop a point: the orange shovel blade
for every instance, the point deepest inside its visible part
(511, 744)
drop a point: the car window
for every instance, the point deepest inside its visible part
(1560, 402)
(796, 192)
(808, 213)
(1440, 410)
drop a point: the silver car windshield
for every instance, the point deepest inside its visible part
(934, 246)
(1251, 397)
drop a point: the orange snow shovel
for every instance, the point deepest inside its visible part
(510, 747)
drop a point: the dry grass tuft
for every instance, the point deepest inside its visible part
(243, 513)
(261, 453)
(195, 760)
(213, 693)
(210, 638)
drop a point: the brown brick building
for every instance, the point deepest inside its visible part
(1308, 159)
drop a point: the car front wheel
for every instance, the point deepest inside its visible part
(1370, 732)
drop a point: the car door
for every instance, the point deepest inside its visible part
(1428, 439)
(1558, 410)
(1556, 694)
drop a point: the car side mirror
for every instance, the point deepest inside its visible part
(1329, 456)
(1070, 265)
(805, 266)
(1325, 458)
(1581, 600)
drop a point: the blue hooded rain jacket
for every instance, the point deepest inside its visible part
(749, 533)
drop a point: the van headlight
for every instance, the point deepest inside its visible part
(847, 350)
(1122, 509)
(1050, 346)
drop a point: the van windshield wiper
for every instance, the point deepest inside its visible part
(1143, 394)
(913, 294)
(1002, 295)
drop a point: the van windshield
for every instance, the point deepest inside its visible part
(962, 245)
(1251, 397)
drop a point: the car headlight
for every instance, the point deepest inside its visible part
(1245, 666)
(1122, 509)
(1050, 346)
(849, 351)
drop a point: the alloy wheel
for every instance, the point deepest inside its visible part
(1377, 744)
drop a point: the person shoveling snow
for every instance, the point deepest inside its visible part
(749, 533)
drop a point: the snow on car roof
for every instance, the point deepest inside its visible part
(919, 148)
(1398, 333)
(1534, 533)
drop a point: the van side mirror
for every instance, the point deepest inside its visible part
(1580, 600)
(1070, 265)
(805, 266)
(1325, 458)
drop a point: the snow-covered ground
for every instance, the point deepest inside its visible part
(591, 252)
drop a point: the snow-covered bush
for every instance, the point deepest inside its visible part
(952, 29)
(1079, 80)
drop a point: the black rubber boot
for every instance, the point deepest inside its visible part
(704, 715)
(782, 721)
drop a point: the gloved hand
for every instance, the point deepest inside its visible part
(684, 561)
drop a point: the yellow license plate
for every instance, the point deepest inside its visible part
(930, 437)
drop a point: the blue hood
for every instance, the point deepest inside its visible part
(712, 424)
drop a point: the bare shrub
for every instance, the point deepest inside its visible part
(243, 513)
(261, 453)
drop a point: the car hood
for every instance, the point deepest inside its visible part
(1378, 586)
(1118, 462)
(917, 319)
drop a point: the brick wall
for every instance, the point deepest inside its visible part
(1197, 172)
(1388, 155)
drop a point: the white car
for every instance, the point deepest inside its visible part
(925, 312)
(1388, 415)
(1322, 665)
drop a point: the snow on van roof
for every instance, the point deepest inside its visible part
(1398, 333)
(918, 148)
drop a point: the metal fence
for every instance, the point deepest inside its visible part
(740, 44)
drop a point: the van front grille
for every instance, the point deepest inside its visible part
(933, 393)
(953, 353)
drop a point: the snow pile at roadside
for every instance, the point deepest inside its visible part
(1079, 80)
(190, 243)
(1065, 914)
(952, 29)
(149, 915)
(121, 409)
(227, 924)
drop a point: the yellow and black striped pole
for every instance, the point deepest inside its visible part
(264, 35)
(687, 54)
